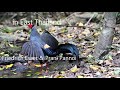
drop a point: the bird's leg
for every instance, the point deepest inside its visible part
(44, 64)
(41, 68)
(47, 65)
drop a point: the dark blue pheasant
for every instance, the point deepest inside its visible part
(45, 44)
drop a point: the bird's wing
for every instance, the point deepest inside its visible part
(49, 39)
(31, 49)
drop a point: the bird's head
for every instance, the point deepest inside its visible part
(34, 31)
(30, 26)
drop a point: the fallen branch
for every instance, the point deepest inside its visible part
(13, 37)
(90, 19)
(13, 29)
(77, 16)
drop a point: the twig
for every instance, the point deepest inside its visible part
(13, 16)
(68, 26)
(4, 15)
(90, 19)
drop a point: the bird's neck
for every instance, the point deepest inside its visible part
(34, 32)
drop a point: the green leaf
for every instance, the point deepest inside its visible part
(117, 72)
(1, 68)
(29, 71)
(28, 75)
(2, 53)
(6, 30)
(6, 55)
(14, 73)
(37, 73)
(9, 66)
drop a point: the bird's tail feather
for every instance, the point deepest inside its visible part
(68, 48)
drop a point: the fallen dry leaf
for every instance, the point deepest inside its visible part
(80, 24)
(86, 32)
(80, 76)
(70, 35)
(98, 73)
(103, 69)
(1, 68)
(101, 61)
(41, 77)
(37, 65)
(94, 67)
(9, 66)
(63, 72)
(96, 34)
(74, 69)
(107, 62)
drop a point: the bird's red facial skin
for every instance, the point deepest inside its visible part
(30, 26)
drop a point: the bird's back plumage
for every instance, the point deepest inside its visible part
(49, 39)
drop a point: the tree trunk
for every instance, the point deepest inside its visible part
(106, 37)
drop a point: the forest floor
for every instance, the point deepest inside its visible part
(85, 38)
